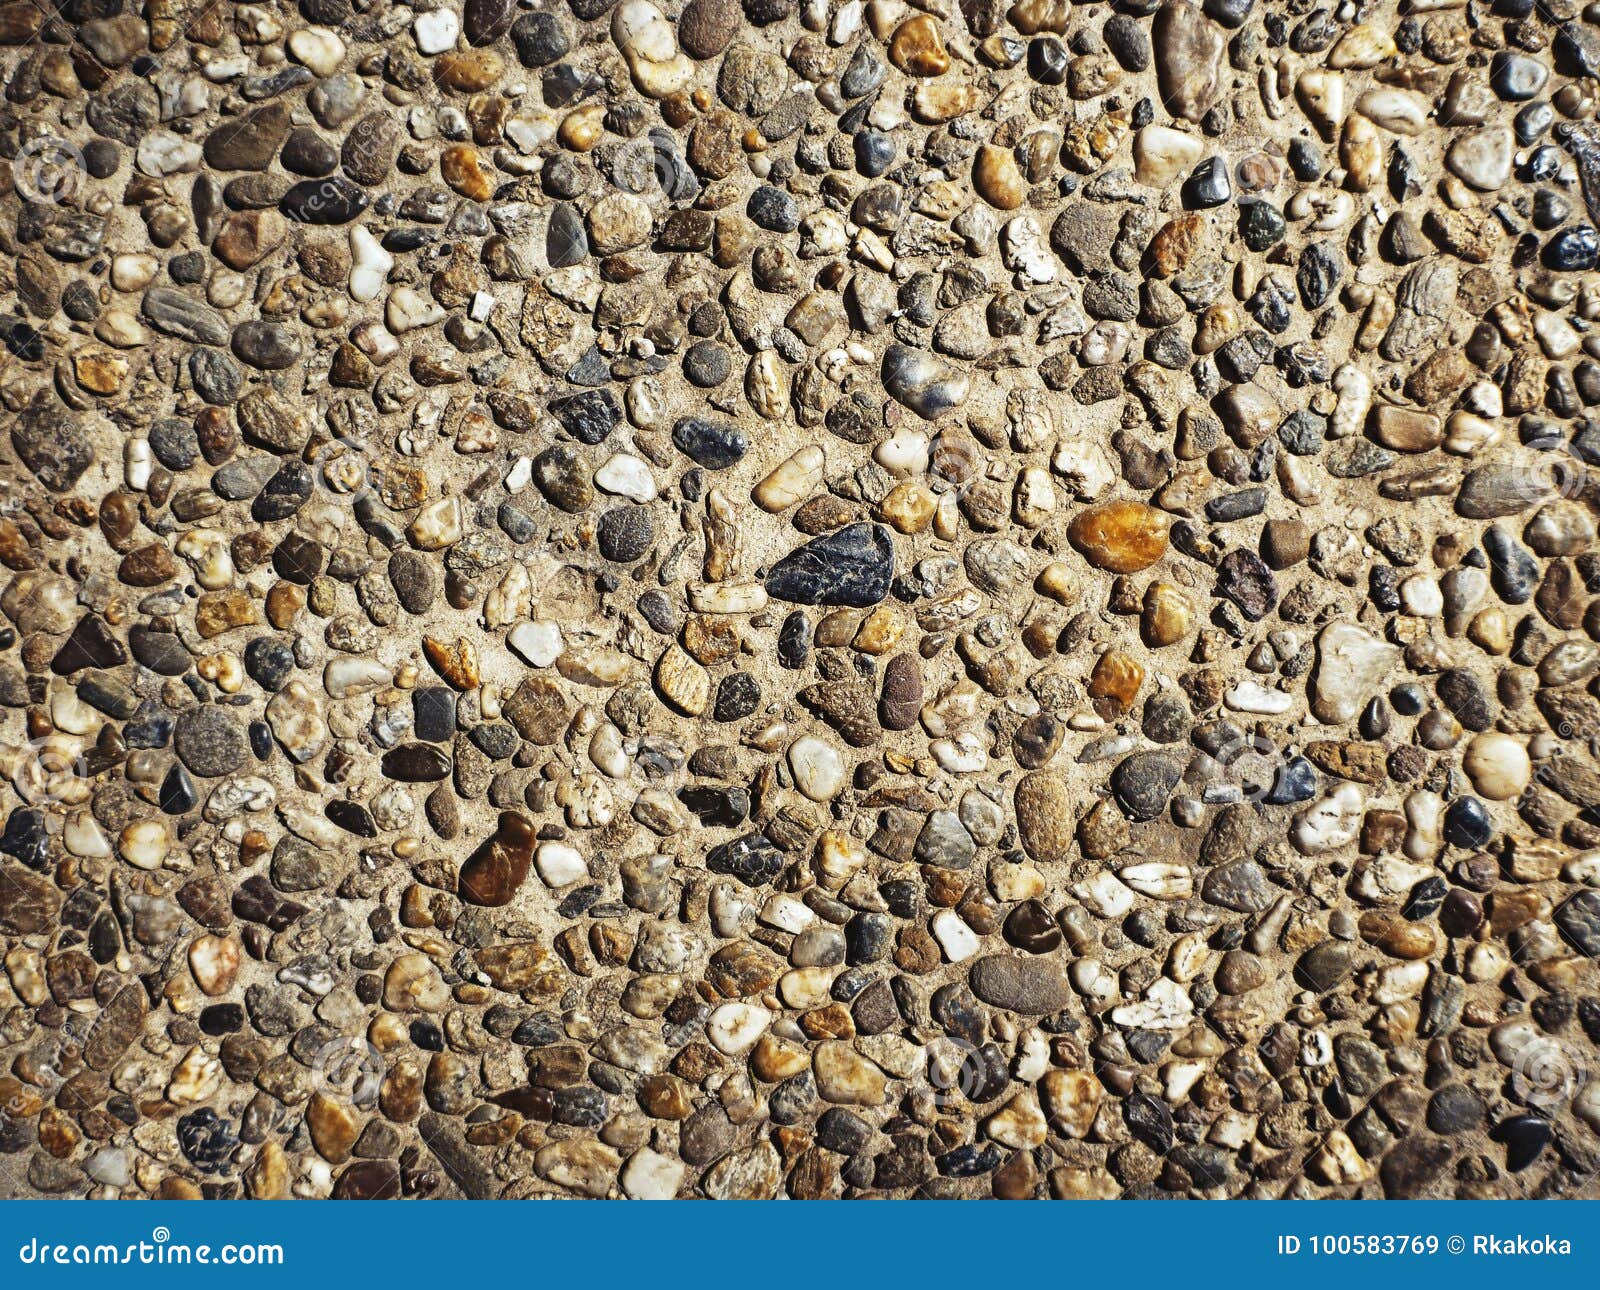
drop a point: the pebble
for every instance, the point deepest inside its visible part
(852, 567)
(716, 445)
(1021, 985)
(436, 30)
(923, 384)
(1188, 59)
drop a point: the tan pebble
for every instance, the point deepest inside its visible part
(145, 843)
(1166, 616)
(917, 49)
(583, 129)
(214, 961)
(685, 684)
(334, 1127)
(1362, 47)
(222, 611)
(100, 371)
(284, 603)
(997, 179)
(437, 525)
(908, 508)
(1396, 936)
(880, 631)
(412, 985)
(456, 663)
(461, 167)
(1121, 537)
(269, 1175)
(1498, 766)
(935, 102)
(790, 482)
(845, 1077)
(470, 71)
(1114, 683)
(1071, 1099)
(1361, 153)
(1019, 1124)
(1060, 582)
(1162, 154)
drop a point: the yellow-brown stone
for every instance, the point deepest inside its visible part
(1172, 248)
(1120, 537)
(456, 663)
(463, 169)
(222, 611)
(1396, 936)
(1167, 615)
(470, 70)
(99, 370)
(284, 604)
(997, 178)
(1115, 682)
(917, 48)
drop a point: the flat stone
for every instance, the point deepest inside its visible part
(1031, 986)
(851, 567)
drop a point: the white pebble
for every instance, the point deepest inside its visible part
(818, 767)
(539, 644)
(958, 941)
(559, 864)
(624, 475)
(436, 31)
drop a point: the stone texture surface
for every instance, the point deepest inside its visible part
(733, 600)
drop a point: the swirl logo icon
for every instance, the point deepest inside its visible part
(651, 163)
(1538, 477)
(1547, 1073)
(48, 169)
(1251, 765)
(955, 1071)
(51, 771)
(343, 470)
(349, 1066)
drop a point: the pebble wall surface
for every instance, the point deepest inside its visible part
(800, 598)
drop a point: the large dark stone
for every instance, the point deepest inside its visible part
(851, 567)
